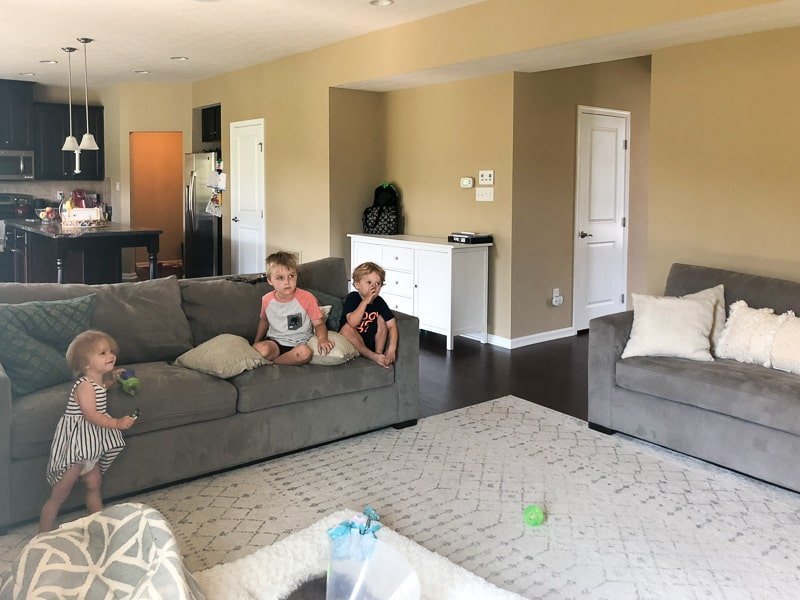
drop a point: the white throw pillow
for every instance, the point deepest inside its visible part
(223, 356)
(342, 350)
(749, 333)
(785, 352)
(666, 326)
(717, 294)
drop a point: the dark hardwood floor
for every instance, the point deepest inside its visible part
(552, 374)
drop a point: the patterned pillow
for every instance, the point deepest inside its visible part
(34, 337)
(336, 304)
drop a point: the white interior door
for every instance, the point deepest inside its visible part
(601, 200)
(247, 196)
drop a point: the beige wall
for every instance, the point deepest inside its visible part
(545, 118)
(725, 174)
(440, 133)
(357, 161)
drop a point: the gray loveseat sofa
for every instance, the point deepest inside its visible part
(192, 423)
(742, 416)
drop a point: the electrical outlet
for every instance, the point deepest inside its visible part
(558, 299)
(486, 177)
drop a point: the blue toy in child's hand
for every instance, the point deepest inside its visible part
(129, 382)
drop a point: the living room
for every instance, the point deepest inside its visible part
(710, 89)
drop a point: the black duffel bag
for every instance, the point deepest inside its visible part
(383, 217)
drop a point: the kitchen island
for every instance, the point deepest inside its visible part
(51, 253)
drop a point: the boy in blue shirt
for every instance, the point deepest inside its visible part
(367, 321)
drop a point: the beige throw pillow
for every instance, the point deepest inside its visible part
(785, 353)
(717, 294)
(223, 356)
(342, 350)
(666, 326)
(749, 333)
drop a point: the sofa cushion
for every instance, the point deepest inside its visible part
(785, 353)
(145, 318)
(170, 396)
(749, 333)
(745, 391)
(224, 356)
(342, 351)
(664, 326)
(276, 385)
(34, 337)
(334, 315)
(215, 306)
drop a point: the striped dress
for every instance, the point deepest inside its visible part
(77, 441)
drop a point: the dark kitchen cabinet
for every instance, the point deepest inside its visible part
(211, 122)
(52, 127)
(16, 115)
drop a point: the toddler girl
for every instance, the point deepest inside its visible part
(87, 438)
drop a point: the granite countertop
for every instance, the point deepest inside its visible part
(55, 230)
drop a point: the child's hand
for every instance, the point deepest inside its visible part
(325, 345)
(125, 422)
(389, 358)
(116, 373)
(371, 295)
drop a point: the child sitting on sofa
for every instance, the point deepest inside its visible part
(367, 321)
(289, 316)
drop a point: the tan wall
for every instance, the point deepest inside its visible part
(440, 133)
(545, 119)
(725, 174)
(357, 161)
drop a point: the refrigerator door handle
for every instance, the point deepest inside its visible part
(190, 193)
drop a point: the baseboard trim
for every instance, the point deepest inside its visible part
(528, 340)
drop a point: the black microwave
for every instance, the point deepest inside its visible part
(16, 164)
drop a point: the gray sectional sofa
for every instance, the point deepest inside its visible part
(192, 423)
(742, 416)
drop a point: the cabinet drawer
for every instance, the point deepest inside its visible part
(398, 303)
(395, 257)
(398, 283)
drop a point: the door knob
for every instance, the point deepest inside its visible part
(583, 234)
(235, 219)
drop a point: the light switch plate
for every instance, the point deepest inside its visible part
(486, 177)
(484, 194)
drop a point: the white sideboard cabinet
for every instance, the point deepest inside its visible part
(444, 285)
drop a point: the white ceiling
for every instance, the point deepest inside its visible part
(216, 35)
(224, 35)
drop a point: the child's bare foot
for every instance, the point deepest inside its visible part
(378, 358)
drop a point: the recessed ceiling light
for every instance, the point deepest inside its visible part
(381, 2)
(179, 58)
(141, 71)
(28, 74)
(49, 61)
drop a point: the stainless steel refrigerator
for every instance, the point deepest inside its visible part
(202, 232)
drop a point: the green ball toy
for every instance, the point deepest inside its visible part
(533, 515)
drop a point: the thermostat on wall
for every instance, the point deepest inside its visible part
(467, 182)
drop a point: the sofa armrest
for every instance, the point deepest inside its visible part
(5, 448)
(607, 339)
(406, 368)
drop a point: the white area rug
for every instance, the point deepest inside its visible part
(275, 571)
(626, 520)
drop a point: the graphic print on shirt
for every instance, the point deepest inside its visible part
(368, 318)
(294, 322)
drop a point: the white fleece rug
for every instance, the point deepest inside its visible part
(273, 572)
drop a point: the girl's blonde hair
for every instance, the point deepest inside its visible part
(83, 344)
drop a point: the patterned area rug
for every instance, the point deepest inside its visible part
(625, 520)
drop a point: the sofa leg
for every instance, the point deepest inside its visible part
(405, 424)
(601, 429)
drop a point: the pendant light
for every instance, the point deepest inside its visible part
(70, 143)
(87, 141)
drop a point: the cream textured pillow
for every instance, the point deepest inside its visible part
(665, 326)
(717, 294)
(342, 350)
(749, 333)
(223, 356)
(785, 353)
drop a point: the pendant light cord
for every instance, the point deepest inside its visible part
(69, 52)
(85, 41)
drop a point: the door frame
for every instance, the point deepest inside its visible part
(610, 112)
(233, 248)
